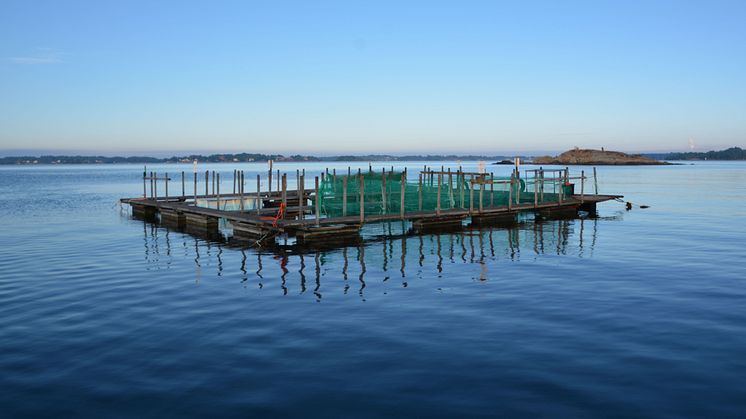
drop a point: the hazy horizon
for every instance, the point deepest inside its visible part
(330, 78)
(164, 154)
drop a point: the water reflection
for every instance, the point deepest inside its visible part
(298, 271)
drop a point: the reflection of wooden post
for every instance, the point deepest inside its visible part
(401, 193)
(344, 196)
(362, 199)
(318, 202)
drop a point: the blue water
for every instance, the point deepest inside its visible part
(632, 314)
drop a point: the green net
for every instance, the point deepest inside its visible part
(383, 193)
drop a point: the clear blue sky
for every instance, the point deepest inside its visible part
(356, 77)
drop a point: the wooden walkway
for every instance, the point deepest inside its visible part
(305, 220)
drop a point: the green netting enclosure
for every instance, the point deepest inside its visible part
(382, 192)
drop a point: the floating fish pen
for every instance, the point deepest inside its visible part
(337, 205)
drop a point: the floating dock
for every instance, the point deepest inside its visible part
(336, 206)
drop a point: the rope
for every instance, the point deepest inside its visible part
(280, 214)
(630, 204)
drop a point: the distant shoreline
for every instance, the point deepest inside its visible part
(730, 154)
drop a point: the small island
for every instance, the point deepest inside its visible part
(596, 158)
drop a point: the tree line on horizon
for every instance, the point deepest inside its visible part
(733, 153)
(229, 158)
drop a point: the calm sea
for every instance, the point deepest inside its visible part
(636, 313)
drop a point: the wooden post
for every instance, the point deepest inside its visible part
(278, 180)
(195, 188)
(536, 188)
(403, 186)
(258, 203)
(419, 191)
(437, 205)
(561, 177)
(234, 181)
(462, 181)
(207, 183)
(450, 189)
(595, 182)
(183, 185)
(362, 200)
(151, 185)
(155, 185)
(471, 194)
(240, 189)
(383, 191)
(541, 192)
(269, 177)
(285, 190)
(213, 182)
(217, 192)
(344, 196)
(318, 202)
(301, 195)
(144, 182)
(166, 185)
(582, 186)
(481, 194)
(492, 189)
(510, 192)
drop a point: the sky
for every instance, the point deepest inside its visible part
(399, 77)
